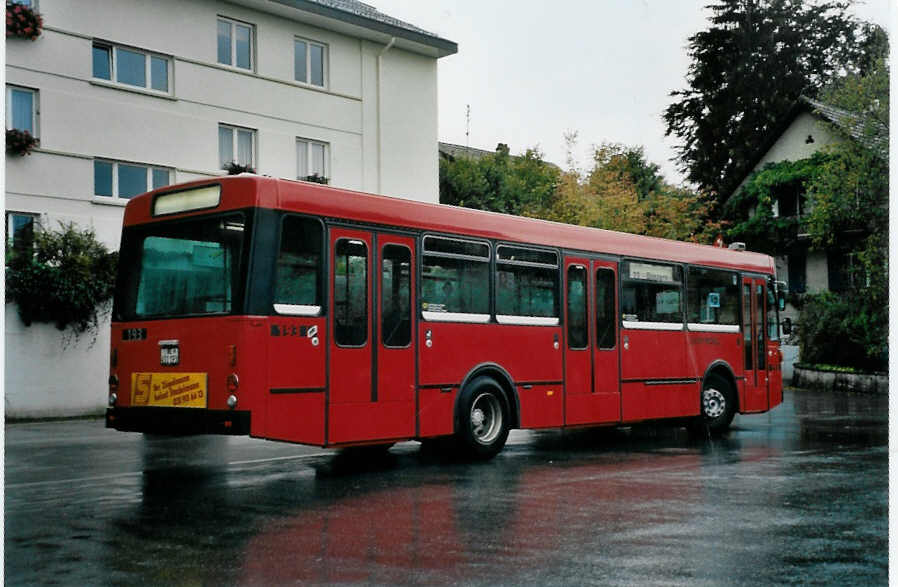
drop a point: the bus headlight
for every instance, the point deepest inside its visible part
(113, 398)
(232, 401)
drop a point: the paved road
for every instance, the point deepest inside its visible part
(797, 495)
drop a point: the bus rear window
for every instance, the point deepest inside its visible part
(181, 268)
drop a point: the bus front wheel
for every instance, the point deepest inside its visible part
(482, 424)
(718, 404)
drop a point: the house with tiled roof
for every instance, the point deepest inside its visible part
(125, 96)
(810, 127)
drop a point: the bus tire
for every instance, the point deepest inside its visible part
(718, 404)
(483, 419)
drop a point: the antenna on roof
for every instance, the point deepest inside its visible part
(467, 126)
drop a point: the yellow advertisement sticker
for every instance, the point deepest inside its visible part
(180, 390)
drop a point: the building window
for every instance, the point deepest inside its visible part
(21, 109)
(132, 67)
(311, 159)
(845, 272)
(120, 180)
(798, 272)
(309, 62)
(20, 229)
(235, 43)
(236, 145)
(28, 3)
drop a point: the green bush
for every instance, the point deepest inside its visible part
(844, 330)
(67, 280)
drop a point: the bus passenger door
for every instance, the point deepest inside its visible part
(579, 404)
(754, 296)
(606, 361)
(371, 393)
(395, 373)
(592, 376)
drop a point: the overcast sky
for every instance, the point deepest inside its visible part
(533, 69)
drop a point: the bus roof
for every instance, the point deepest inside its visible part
(244, 191)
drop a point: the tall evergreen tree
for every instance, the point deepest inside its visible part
(748, 70)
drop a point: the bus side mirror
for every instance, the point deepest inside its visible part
(787, 326)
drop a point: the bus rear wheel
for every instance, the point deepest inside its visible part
(482, 420)
(718, 404)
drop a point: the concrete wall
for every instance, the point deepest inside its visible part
(378, 116)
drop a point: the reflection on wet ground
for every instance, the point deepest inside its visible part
(796, 495)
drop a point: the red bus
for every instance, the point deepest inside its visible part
(303, 313)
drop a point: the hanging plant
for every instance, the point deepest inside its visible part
(67, 280)
(20, 142)
(234, 168)
(315, 178)
(23, 21)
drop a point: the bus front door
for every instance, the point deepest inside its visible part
(371, 368)
(754, 297)
(592, 381)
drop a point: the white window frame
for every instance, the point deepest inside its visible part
(234, 128)
(327, 157)
(35, 107)
(324, 62)
(252, 43)
(10, 214)
(115, 188)
(148, 68)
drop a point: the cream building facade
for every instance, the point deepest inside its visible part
(128, 95)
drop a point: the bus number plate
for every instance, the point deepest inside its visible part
(170, 355)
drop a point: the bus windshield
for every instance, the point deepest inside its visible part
(181, 268)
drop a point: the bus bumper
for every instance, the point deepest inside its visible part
(178, 421)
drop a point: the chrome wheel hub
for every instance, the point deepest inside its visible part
(713, 403)
(486, 418)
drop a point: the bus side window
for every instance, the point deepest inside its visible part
(651, 293)
(297, 287)
(455, 279)
(713, 296)
(351, 293)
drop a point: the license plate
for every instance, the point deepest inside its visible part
(179, 390)
(169, 356)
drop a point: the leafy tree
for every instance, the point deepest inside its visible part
(67, 280)
(748, 70)
(498, 182)
(622, 191)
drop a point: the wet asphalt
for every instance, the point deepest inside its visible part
(797, 495)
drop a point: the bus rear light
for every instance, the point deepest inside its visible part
(233, 382)
(113, 382)
(232, 401)
(232, 355)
